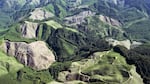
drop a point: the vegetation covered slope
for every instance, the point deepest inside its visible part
(73, 44)
(8, 64)
(101, 67)
(138, 56)
(13, 72)
(130, 15)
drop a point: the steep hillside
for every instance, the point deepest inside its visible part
(74, 41)
(138, 56)
(101, 67)
(30, 54)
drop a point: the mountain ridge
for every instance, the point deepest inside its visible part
(71, 32)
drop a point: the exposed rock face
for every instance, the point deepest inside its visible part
(117, 2)
(109, 20)
(40, 14)
(81, 77)
(125, 43)
(136, 44)
(72, 4)
(36, 54)
(29, 29)
(79, 18)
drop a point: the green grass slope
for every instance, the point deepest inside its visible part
(8, 64)
(139, 30)
(105, 67)
(13, 72)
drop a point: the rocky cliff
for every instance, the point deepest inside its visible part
(36, 54)
(110, 21)
(40, 14)
(117, 2)
(28, 29)
(79, 18)
(126, 43)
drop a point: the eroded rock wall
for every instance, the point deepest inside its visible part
(36, 54)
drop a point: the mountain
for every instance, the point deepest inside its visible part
(74, 41)
(14, 10)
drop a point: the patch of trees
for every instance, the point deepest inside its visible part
(59, 67)
(71, 46)
(35, 77)
(144, 5)
(140, 57)
(139, 30)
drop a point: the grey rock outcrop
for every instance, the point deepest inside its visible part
(28, 29)
(35, 55)
(79, 18)
(40, 14)
(117, 2)
(72, 4)
(125, 43)
(136, 44)
(110, 21)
